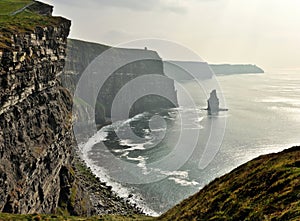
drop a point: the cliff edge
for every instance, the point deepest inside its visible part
(35, 110)
(81, 54)
(39, 172)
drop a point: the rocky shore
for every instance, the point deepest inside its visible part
(103, 199)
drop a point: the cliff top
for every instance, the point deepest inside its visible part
(266, 188)
(97, 48)
(23, 16)
(7, 7)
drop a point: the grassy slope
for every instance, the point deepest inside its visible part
(9, 6)
(266, 188)
(23, 22)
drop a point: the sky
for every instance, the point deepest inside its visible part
(261, 32)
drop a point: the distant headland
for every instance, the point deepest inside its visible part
(188, 70)
(221, 69)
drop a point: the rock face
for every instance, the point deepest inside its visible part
(213, 103)
(188, 70)
(39, 169)
(36, 137)
(81, 54)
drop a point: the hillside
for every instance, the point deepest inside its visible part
(266, 188)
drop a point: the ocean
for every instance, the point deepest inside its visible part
(157, 159)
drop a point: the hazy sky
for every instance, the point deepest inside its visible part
(262, 32)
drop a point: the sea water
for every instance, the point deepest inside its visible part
(263, 117)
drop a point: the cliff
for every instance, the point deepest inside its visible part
(38, 169)
(188, 70)
(81, 54)
(266, 188)
(222, 69)
(35, 114)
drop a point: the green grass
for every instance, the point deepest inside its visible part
(26, 21)
(9, 6)
(266, 188)
(23, 22)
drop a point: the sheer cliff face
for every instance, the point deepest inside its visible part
(81, 54)
(35, 121)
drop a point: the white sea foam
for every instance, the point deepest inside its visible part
(199, 119)
(102, 173)
(182, 174)
(183, 182)
(159, 129)
(133, 146)
(135, 118)
(179, 177)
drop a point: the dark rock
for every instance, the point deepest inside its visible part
(213, 103)
(36, 139)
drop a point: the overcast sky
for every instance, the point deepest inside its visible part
(262, 32)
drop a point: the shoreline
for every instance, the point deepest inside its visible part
(104, 180)
(103, 199)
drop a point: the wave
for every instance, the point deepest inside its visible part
(179, 177)
(126, 147)
(103, 174)
(183, 182)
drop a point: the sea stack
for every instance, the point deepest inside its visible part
(213, 103)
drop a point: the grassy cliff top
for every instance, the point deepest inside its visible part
(9, 6)
(266, 188)
(22, 16)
